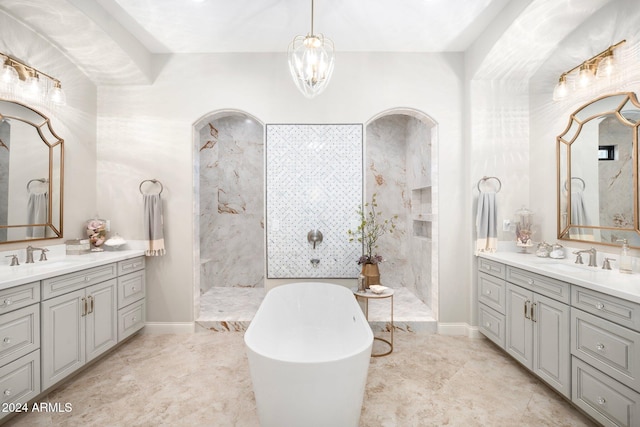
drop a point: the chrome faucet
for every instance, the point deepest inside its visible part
(30, 250)
(592, 256)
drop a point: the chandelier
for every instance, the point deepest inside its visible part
(311, 61)
(596, 67)
(23, 82)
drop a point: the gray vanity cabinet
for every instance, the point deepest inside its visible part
(538, 335)
(19, 345)
(605, 344)
(529, 317)
(77, 327)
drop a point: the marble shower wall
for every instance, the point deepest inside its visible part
(314, 181)
(615, 177)
(232, 249)
(398, 159)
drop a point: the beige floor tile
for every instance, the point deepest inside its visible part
(203, 379)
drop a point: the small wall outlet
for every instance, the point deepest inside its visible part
(506, 225)
(108, 225)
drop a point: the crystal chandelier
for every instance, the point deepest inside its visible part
(311, 61)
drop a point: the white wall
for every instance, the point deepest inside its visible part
(616, 21)
(146, 132)
(75, 123)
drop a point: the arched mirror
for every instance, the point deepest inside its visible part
(31, 175)
(598, 172)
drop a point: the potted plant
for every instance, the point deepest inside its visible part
(372, 226)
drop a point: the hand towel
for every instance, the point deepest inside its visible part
(579, 217)
(153, 223)
(486, 223)
(37, 209)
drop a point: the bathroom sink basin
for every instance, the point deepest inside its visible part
(569, 268)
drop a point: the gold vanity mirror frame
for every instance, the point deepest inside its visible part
(625, 109)
(29, 169)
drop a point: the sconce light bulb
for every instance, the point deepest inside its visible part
(606, 66)
(586, 75)
(561, 90)
(56, 95)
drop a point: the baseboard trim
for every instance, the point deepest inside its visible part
(169, 328)
(459, 329)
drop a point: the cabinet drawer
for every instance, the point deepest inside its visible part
(19, 333)
(130, 265)
(492, 324)
(626, 313)
(552, 288)
(491, 267)
(130, 319)
(20, 380)
(60, 285)
(19, 296)
(610, 348)
(491, 291)
(605, 399)
(131, 288)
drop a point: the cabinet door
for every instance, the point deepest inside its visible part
(519, 342)
(102, 318)
(551, 344)
(63, 336)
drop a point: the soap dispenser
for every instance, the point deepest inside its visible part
(625, 258)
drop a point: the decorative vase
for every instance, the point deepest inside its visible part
(371, 275)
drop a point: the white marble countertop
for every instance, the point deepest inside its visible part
(26, 273)
(611, 282)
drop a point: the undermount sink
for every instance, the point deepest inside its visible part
(568, 268)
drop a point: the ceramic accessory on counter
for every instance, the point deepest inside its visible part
(543, 250)
(77, 246)
(115, 242)
(557, 251)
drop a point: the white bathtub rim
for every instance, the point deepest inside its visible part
(366, 347)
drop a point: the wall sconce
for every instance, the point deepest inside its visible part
(19, 80)
(596, 67)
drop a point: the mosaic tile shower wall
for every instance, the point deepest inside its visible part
(314, 181)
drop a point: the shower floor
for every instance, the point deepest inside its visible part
(232, 309)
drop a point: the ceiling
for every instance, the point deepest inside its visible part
(132, 36)
(190, 26)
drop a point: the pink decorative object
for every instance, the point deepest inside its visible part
(97, 233)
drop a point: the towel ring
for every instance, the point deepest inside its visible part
(154, 181)
(584, 185)
(42, 180)
(485, 178)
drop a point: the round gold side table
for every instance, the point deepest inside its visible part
(366, 296)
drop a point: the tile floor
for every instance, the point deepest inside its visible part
(202, 379)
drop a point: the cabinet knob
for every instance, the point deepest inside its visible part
(7, 392)
(600, 346)
(487, 267)
(488, 324)
(7, 340)
(488, 292)
(599, 305)
(530, 281)
(87, 278)
(8, 301)
(133, 288)
(134, 318)
(602, 400)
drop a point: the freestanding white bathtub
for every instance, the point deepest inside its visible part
(309, 348)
